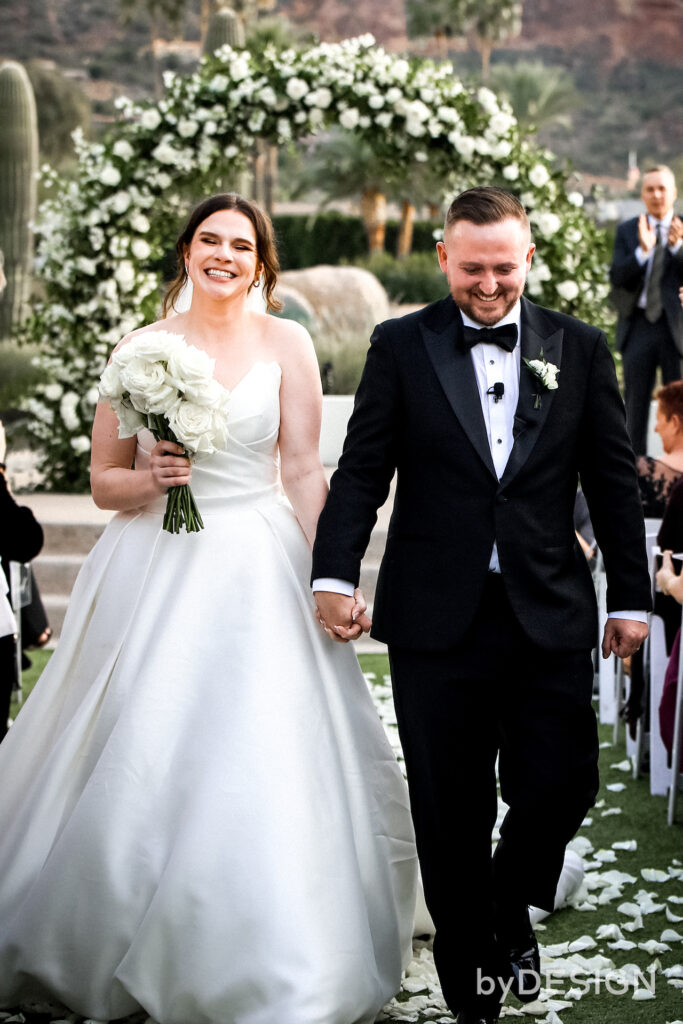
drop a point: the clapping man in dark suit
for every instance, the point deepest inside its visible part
(646, 274)
(489, 408)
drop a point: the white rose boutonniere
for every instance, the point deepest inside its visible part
(545, 375)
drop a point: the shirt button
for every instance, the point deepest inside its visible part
(500, 440)
(492, 362)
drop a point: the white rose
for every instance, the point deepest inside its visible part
(164, 153)
(86, 266)
(187, 128)
(511, 172)
(139, 223)
(67, 410)
(575, 198)
(568, 290)
(125, 275)
(296, 88)
(322, 98)
(110, 381)
(349, 117)
(219, 83)
(573, 235)
(210, 128)
(195, 427)
(123, 149)
(80, 444)
(393, 95)
(230, 152)
(150, 119)
(53, 392)
(191, 370)
(239, 69)
(140, 248)
(147, 384)
(109, 175)
(120, 202)
(548, 223)
(539, 175)
(384, 119)
(152, 345)
(501, 149)
(376, 101)
(268, 96)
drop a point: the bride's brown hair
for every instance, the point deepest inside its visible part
(265, 245)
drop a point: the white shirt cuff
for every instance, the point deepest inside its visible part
(333, 586)
(641, 256)
(634, 616)
(673, 249)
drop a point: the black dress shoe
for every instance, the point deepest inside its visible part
(476, 1017)
(525, 964)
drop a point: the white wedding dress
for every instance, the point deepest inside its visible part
(200, 816)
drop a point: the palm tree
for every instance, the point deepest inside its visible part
(540, 95)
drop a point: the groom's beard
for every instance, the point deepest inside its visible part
(487, 313)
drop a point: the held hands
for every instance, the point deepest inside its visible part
(343, 618)
(167, 469)
(623, 637)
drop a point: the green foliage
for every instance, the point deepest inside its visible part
(414, 279)
(18, 375)
(538, 94)
(18, 189)
(341, 366)
(62, 107)
(225, 29)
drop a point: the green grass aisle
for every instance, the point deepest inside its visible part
(623, 935)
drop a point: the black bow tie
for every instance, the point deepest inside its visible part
(504, 336)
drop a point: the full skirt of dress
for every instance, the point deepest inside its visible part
(201, 816)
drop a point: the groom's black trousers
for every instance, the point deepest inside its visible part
(494, 695)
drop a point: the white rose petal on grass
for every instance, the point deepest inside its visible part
(635, 925)
(655, 875)
(584, 942)
(609, 931)
(610, 812)
(622, 944)
(616, 787)
(641, 994)
(606, 856)
(629, 909)
(652, 946)
(674, 918)
(622, 766)
(625, 844)
(673, 972)
(675, 899)
(669, 935)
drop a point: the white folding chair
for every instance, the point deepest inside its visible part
(677, 746)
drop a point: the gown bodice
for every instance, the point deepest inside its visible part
(248, 471)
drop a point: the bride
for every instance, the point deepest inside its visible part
(205, 821)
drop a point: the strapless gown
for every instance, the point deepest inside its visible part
(200, 816)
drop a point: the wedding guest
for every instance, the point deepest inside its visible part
(21, 538)
(206, 821)
(670, 587)
(657, 476)
(646, 275)
(488, 409)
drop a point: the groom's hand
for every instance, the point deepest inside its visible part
(623, 637)
(342, 618)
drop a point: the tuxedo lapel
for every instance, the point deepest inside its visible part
(453, 366)
(540, 339)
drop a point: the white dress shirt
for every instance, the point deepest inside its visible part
(661, 228)
(492, 365)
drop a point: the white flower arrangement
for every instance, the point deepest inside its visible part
(158, 382)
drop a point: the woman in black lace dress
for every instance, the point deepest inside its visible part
(657, 477)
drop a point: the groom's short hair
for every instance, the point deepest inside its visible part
(485, 204)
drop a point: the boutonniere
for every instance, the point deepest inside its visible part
(545, 375)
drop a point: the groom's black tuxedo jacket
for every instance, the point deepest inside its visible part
(418, 412)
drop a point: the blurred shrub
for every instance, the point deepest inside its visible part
(18, 376)
(417, 278)
(332, 237)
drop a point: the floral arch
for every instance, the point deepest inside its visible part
(102, 233)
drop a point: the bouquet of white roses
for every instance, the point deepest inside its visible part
(159, 382)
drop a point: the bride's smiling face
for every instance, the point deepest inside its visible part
(222, 259)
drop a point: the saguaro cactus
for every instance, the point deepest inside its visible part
(18, 189)
(225, 27)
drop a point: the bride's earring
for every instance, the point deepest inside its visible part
(256, 282)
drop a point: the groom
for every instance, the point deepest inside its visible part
(484, 596)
